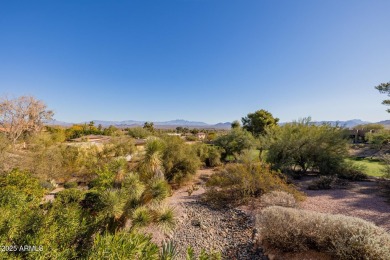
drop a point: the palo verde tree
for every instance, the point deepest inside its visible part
(384, 88)
(21, 115)
(257, 122)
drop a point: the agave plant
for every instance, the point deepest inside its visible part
(168, 251)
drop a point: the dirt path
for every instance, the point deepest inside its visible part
(225, 230)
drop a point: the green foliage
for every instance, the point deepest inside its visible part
(352, 171)
(164, 217)
(179, 160)
(384, 88)
(341, 236)
(123, 246)
(68, 196)
(379, 138)
(204, 255)
(139, 132)
(386, 168)
(141, 216)
(169, 251)
(235, 142)
(209, 155)
(70, 184)
(23, 183)
(237, 183)
(105, 179)
(149, 126)
(152, 165)
(303, 145)
(369, 127)
(257, 122)
(157, 190)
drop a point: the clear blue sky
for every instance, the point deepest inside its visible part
(203, 60)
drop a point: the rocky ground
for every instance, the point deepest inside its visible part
(229, 231)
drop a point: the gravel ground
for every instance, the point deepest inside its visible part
(361, 199)
(229, 231)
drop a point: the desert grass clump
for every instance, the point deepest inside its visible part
(322, 183)
(239, 182)
(343, 237)
(279, 198)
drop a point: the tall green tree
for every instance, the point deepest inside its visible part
(149, 126)
(257, 122)
(235, 124)
(384, 88)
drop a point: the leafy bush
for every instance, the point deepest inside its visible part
(234, 142)
(301, 146)
(179, 160)
(69, 196)
(70, 185)
(341, 236)
(24, 183)
(139, 132)
(352, 172)
(209, 155)
(279, 198)
(236, 183)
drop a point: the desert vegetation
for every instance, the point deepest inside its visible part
(79, 199)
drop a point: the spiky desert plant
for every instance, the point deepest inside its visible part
(123, 246)
(151, 164)
(169, 251)
(157, 190)
(163, 216)
(141, 217)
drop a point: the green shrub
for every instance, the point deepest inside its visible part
(343, 237)
(69, 196)
(235, 142)
(123, 246)
(70, 185)
(352, 172)
(303, 146)
(209, 155)
(168, 251)
(179, 160)
(24, 183)
(236, 183)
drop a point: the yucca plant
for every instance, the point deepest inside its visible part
(168, 251)
(141, 217)
(163, 216)
(157, 190)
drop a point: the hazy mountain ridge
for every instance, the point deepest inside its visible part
(195, 124)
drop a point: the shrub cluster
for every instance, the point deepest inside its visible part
(279, 198)
(238, 182)
(343, 237)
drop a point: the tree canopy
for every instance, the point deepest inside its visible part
(384, 88)
(257, 122)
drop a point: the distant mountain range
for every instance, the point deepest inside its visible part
(165, 124)
(194, 124)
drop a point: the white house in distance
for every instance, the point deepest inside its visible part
(201, 136)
